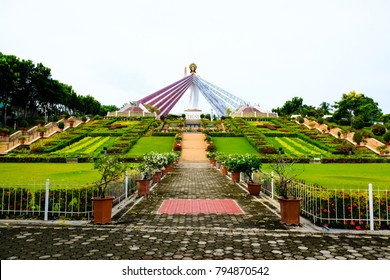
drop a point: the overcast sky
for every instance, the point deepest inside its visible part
(266, 52)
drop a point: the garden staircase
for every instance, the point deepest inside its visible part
(371, 143)
(11, 142)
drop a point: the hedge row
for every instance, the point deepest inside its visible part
(34, 159)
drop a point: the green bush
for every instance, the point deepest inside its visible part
(386, 137)
(378, 129)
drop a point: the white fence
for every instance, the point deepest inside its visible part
(45, 201)
(340, 208)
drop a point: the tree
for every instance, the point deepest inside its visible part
(111, 169)
(352, 105)
(290, 107)
(324, 108)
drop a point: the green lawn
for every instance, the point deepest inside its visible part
(159, 144)
(233, 145)
(338, 176)
(37, 173)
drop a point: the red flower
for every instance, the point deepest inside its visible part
(352, 223)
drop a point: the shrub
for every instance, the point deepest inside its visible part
(211, 147)
(378, 129)
(357, 137)
(386, 137)
(61, 125)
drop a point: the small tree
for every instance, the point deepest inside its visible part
(284, 168)
(111, 169)
(357, 137)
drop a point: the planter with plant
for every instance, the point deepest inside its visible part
(71, 122)
(221, 158)
(143, 184)
(156, 162)
(42, 130)
(22, 139)
(357, 137)
(289, 204)
(382, 149)
(212, 157)
(247, 164)
(386, 137)
(61, 125)
(111, 170)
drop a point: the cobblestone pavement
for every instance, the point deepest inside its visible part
(139, 232)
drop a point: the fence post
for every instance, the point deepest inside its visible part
(47, 200)
(371, 206)
(126, 183)
(272, 185)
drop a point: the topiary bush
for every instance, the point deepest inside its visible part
(386, 137)
(378, 129)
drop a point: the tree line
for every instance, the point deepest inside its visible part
(353, 107)
(28, 91)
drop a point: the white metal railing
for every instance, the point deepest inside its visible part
(46, 201)
(342, 208)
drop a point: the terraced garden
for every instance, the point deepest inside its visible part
(295, 147)
(90, 146)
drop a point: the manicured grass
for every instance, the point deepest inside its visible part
(295, 147)
(58, 173)
(159, 144)
(348, 176)
(233, 145)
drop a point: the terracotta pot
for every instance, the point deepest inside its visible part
(254, 189)
(41, 134)
(212, 162)
(235, 176)
(224, 170)
(143, 187)
(102, 209)
(168, 169)
(289, 210)
(157, 176)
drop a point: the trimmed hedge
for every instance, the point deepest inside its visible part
(34, 159)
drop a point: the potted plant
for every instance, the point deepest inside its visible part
(61, 125)
(83, 119)
(252, 164)
(386, 137)
(143, 184)
(221, 158)
(211, 156)
(42, 130)
(71, 122)
(22, 139)
(111, 170)
(357, 137)
(156, 163)
(381, 149)
(247, 163)
(4, 131)
(289, 204)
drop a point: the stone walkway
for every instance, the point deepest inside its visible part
(139, 232)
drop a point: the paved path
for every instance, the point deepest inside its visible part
(139, 232)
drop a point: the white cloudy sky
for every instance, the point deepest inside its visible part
(266, 52)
